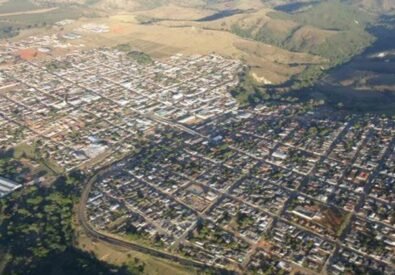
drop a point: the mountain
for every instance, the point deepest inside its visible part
(380, 6)
(330, 29)
(310, 26)
(375, 6)
(281, 40)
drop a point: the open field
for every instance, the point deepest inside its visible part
(13, 23)
(272, 63)
(324, 40)
(27, 12)
(174, 29)
(120, 256)
(173, 12)
(14, 6)
(279, 46)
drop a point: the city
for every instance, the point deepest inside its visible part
(237, 194)
(182, 169)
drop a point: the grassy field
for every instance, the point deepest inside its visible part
(25, 151)
(374, 5)
(278, 46)
(290, 49)
(11, 6)
(50, 17)
(330, 29)
(18, 15)
(119, 256)
(173, 12)
(328, 34)
(158, 40)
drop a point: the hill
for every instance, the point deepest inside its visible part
(330, 29)
(311, 35)
(381, 6)
(333, 30)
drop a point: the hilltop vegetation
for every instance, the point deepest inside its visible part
(17, 6)
(18, 15)
(381, 6)
(287, 44)
(332, 30)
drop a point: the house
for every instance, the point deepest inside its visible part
(7, 187)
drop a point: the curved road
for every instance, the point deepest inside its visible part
(90, 231)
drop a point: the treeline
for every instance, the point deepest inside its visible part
(36, 233)
(138, 56)
(7, 31)
(250, 93)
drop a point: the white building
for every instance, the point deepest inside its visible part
(7, 187)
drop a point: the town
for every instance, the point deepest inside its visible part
(270, 187)
(91, 104)
(275, 187)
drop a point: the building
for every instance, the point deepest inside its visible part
(7, 187)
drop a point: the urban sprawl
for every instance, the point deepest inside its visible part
(280, 187)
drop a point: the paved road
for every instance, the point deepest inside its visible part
(90, 231)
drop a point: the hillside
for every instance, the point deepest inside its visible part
(375, 6)
(135, 5)
(332, 30)
(381, 6)
(302, 37)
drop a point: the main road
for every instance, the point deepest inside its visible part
(93, 233)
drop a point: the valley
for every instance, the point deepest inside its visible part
(287, 45)
(197, 137)
(366, 83)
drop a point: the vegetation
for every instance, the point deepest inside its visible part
(342, 46)
(36, 232)
(7, 30)
(331, 29)
(12, 24)
(123, 47)
(243, 220)
(73, 261)
(17, 6)
(140, 57)
(250, 93)
(307, 78)
(21, 165)
(247, 92)
(57, 65)
(91, 2)
(335, 31)
(12, 169)
(330, 15)
(36, 223)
